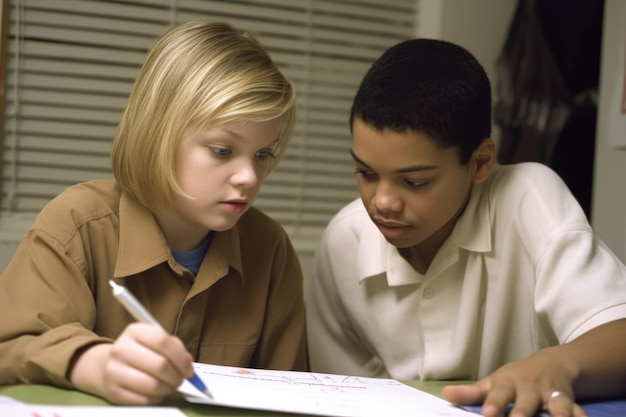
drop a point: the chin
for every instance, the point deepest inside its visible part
(222, 227)
(402, 243)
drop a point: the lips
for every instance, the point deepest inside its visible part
(235, 206)
(390, 229)
(388, 223)
(237, 201)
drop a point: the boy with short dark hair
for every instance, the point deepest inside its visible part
(450, 267)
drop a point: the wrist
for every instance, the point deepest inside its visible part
(87, 368)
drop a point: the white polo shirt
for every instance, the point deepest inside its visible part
(522, 270)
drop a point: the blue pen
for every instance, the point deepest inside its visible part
(132, 305)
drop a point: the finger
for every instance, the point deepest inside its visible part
(119, 394)
(128, 385)
(578, 411)
(501, 394)
(528, 401)
(560, 404)
(466, 394)
(166, 345)
(132, 359)
(135, 349)
(139, 375)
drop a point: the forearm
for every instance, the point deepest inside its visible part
(600, 361)
(47, 313)
(44, 358)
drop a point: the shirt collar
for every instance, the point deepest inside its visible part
(143, 246)
(472, 232)
(376, 257)
(141, 242)
(473, 229)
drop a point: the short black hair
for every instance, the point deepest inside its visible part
(430, 86)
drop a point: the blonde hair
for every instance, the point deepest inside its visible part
(199, 74)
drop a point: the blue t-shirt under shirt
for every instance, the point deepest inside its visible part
(193, 258)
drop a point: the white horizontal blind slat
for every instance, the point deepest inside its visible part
(78, 60)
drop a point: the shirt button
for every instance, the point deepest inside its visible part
(429, 292)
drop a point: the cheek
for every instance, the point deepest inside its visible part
(450, 200)
(196, 179)
(431, 208)
(192, 185)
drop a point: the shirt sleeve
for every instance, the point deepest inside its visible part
(334, 345)
(46, 313)
(581, 284)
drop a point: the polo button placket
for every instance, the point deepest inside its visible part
(428, 293)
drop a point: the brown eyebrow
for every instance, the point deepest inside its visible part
(413, 168)
(275, 142)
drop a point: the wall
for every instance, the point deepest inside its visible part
(609, 194)
(480, 26)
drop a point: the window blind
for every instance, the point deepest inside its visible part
(70, 65)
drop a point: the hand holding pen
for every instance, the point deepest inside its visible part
(132, 305)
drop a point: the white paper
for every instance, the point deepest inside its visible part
(5, 400)
(315, 393)
(33, 410)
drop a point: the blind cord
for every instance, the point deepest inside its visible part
(15, 111)
(299, 200)
(173, 11)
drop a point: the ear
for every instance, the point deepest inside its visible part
(483, 160)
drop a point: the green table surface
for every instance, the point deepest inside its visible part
(44, 394)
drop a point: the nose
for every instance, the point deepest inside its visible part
(246, 175)
(386, 200)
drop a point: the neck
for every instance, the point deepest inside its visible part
(422, 255)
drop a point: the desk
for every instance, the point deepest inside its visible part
(44, 394)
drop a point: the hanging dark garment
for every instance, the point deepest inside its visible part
(533, 102)
(547, 80)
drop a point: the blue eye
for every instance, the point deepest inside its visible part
(265, 155)
(220, 152)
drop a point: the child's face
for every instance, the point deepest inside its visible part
(222, 170)
(413, 190)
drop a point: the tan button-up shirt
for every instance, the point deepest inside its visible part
(244, 308)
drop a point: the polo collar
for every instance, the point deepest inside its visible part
(473, 229)
(376, 256)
